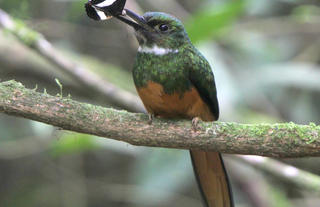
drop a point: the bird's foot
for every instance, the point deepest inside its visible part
(195, 122)
(151, 116)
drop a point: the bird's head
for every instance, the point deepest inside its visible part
(158, 29)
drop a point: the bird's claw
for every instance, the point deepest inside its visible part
(195, 122)
(151, 116)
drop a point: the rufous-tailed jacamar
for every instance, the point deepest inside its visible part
(174, 80)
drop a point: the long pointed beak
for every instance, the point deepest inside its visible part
(138, 23)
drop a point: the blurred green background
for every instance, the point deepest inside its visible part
(265, 55)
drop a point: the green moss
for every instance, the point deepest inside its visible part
(9, 86)
(289, 131)
(258, 130)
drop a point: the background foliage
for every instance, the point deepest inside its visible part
(265, 56)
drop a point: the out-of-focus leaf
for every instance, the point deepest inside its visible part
(306, 13)
(212, 21)
(71, 143)
(278, 198)
(17, 8)
(76, 11)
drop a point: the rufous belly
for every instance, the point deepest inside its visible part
(186, 105)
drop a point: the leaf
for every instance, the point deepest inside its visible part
(213, 21)
(71, 143)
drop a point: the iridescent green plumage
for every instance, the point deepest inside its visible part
(179, 70)
(167, 59)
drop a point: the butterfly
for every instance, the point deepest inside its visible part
(104, 9)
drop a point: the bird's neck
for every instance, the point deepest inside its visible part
(165, 66)
(157, 50)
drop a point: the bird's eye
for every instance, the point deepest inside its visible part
(163, 27)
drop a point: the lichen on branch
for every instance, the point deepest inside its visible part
(273, 140)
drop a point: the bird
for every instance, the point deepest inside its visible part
(174, 80)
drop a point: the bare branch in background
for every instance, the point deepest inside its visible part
(273, 140)
(251, 182)
(83, 75)
(292, 174)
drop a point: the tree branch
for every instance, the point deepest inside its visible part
(298, 177)
(83, 75)
(273, 140)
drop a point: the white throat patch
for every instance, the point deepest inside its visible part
(157, 50)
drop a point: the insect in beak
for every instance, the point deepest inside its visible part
(100, 10)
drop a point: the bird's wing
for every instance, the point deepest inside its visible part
(201, 76)
(209, 169)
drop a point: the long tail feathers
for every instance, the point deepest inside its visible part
(212, 178)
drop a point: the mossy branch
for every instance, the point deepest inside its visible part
(273, 140)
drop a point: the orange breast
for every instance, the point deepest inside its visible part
(187, 105)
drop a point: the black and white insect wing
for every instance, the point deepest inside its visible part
(111, 7)
(104, 9)
(91, 12)
(96, 13)
(117, 7)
